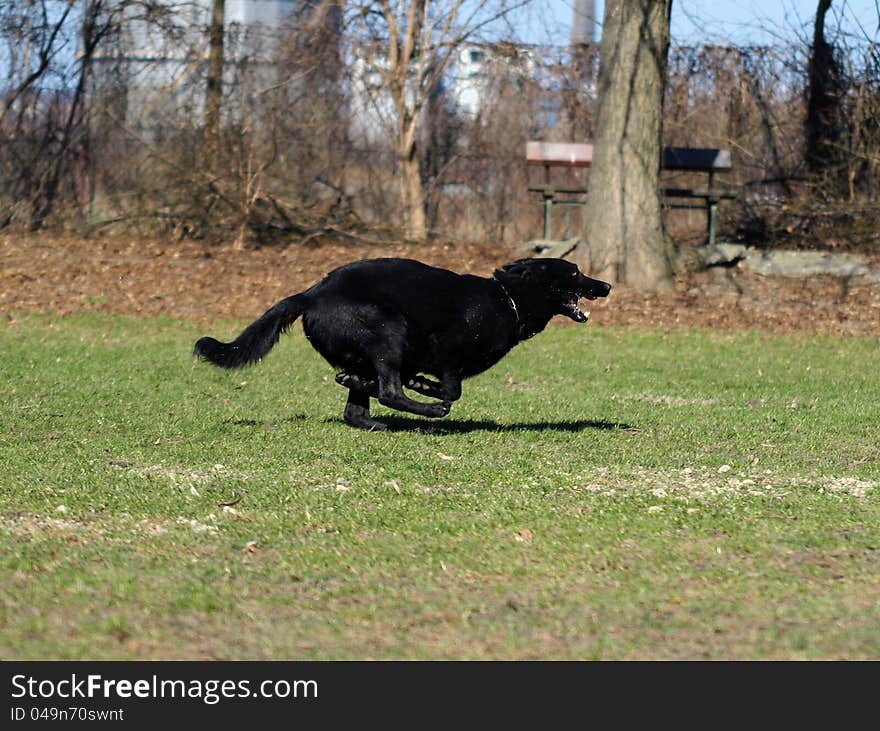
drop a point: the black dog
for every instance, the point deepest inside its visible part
(387, 323)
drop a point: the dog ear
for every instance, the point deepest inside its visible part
(523, 268)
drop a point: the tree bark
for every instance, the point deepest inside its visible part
(624, 239)
(823, 100)
(412, 192)
(405, 44)
(214, 86)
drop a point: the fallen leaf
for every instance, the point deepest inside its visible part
(235, 501)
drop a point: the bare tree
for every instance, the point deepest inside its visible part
(624, 237)
(46, 39)
(214, 83)
(99, 19)
(411, 43)
(823, 124)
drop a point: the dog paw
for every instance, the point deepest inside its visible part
(364, 422)
(432, 411)
(442, 408)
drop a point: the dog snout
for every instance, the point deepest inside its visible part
(594, 288)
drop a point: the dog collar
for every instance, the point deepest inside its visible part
(509, 300)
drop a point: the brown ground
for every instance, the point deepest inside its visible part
(206, 282)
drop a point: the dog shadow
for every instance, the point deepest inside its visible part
(265, 422)
(464, 426)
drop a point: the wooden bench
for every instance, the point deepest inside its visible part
(559, 154)
(707, 160)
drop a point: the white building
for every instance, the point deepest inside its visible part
(160, 61)
(477, 70)
(372, 113)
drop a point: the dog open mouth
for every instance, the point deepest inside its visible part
(571, 309)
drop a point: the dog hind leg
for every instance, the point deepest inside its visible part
(366, 388)
(448, 390)
(424, 386)
(387, 342)
(356, 383)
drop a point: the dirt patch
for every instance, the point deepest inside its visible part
(204, 282)
(678, 400)
(37, 525)
(704, 483)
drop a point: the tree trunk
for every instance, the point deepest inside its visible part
(623, 237)
(214, 86)
(93, 31)
(405, 44)
(412, 191)
(823, 100)
(413, 199)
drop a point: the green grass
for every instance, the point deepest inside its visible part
(598, 494)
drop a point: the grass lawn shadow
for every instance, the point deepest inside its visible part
(464, 426)
(266, 422)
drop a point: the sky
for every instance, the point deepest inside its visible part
(742, 22)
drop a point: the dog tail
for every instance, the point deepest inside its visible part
(257, 338)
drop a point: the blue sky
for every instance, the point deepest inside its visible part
(743, 22)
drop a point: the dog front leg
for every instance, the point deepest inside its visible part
(365, 388)
(391, 395)
(448, 390)
(357, 411)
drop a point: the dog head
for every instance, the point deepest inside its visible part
(556, 283)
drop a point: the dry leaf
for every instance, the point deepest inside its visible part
(235, 501)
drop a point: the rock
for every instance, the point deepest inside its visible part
(725, 254)
(687, 258)
(550, 248)
(786, 263)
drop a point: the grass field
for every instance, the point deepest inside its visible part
(600, 494)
